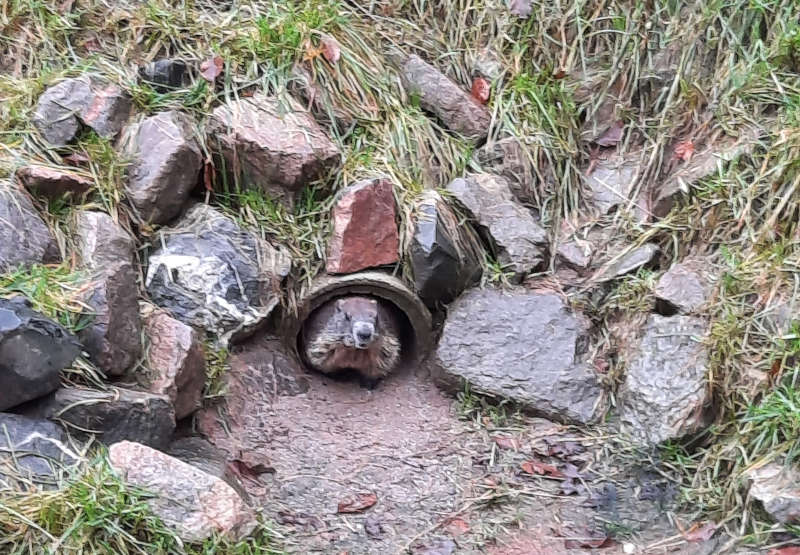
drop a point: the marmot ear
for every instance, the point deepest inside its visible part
(339, 304)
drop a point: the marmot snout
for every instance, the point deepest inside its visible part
(358, 333)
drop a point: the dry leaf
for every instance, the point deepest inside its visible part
(481, 90)
(212, 68)
(542, 469)
(457, 526)
(330, 49)
(506, 442)
(588, 542)
(700, 533)
(357, 503)
(684, 151)
(521, 8)
(208, 175)
(612, 135)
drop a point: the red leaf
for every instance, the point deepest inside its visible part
(208, 175)
(481, 90)
(357, 503)
(506, 442)
(791, 550)
(542, 469)
(331, 49)
(212, 68)
(612, 135)
(700, 533)
(684, 151)
(521, 8)
(457, 527)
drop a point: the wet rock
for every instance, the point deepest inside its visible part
(24, 237)
(258, 374)
(32, 450)
(611, 182)
(321, 103)
(113, 339)
(443, 265)
(63, 107)
(53, 182)
(635, 259)
(437, 94)
(271, 144)
(520, 345)
(193, 503)
(364, 228)
(166, 166)
(176, 362)
(165, 74)
(684, 287)
(214, 275)
(33, 351)
(777, 487)
(116, 414)
(508, 159)
(519, 240)
(664, 394)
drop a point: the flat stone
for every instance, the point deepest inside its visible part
(193, 503)
(165, 168)
(164, 74)
(259, 373)
(635, 259)
(33, 351)
(520, 345)
(53, 182)
(116, 414)
(507, 158)
(176, 360)
(684, 287)
(442, 262)
(364, 228)
(518, 239)
(665, 395)
(611, 182)
(271, 144)
(24, 237)
(211, 274)
(32, 450)
(777, 487)
(442, 97)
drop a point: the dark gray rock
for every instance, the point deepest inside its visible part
(116, 414)
(518, 239)
(777, 486)
(165, 168)
(507, 158)
(114, 338)
(685, 287)
(165, 74)
(454, 106)
(212, 274)
(524, 346)
(32, 450)
(24, 237)
(443, 264)
(33, 351)
(665, 395)
(271, 144)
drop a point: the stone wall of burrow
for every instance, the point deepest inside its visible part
(208, 276)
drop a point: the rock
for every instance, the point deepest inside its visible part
(199, 453)
(258, 373)
(633, 260)
(521, 345)
(32, 450)
(53, 182)
(777, 487)
(664, 394)
(116, 414)
(33, 351)
(164, 75)
(442, 263)
(364, 228)
(212, 274)
(113, 339)
(684, 287)
(193, 503)
(507, 158)
(165, 168)
(24, 237)
(274, 145)
(437, 94)
(519, 240)
(64, 106)
(321, 102)
(177, 362)
(611, 182)
(576, 253)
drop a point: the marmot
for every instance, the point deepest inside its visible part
(355, 332)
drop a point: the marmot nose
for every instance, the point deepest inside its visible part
(364, 335)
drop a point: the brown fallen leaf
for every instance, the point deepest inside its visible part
(684, 151)
(212, 68)
(700, 532)
(330, 49)
(208, 175)
(588, 542)
(542, 469)
(506, 442)
(521, 8)
(481, 90)
(457, 527)
(357, 503)
(612, 135)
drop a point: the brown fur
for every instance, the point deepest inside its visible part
(328, 337)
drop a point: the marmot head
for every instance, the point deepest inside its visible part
(358, 320)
